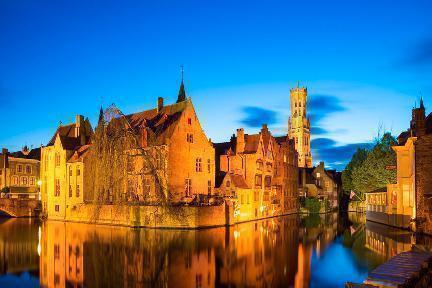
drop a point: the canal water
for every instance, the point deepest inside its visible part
(291, 251)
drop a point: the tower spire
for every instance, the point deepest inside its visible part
(182, 93)
(421, 101)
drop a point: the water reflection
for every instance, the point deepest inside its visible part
(313, 251)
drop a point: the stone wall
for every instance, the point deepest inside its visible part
(423, 183)
(152, 216)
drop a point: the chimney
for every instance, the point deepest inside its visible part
(79, 120)
(144, 137)
(5, 159)
(240, 145)
(159, 104)
(4, 151)
(322, 164)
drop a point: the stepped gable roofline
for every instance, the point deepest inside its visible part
(161, 122)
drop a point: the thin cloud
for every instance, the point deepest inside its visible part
(420, 54)
(335, 156)
(254, 117)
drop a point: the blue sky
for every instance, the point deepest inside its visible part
(365, 64)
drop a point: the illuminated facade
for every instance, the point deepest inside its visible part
(19, 173)
(259, 172)
(299, 126)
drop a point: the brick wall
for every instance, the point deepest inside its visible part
(423, 183)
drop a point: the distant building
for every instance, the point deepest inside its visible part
(259, 172)
(299, 126)
(320, 183)
(19, 172)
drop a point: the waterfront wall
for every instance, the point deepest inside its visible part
(151, 216)
(423, 183)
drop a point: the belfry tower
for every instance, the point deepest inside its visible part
(299, 126)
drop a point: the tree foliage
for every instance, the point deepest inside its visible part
(367, 169)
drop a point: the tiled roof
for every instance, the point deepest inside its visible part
(79, 154)
(251, 143)
(33, 154)
(70, 143)
(161, 123)
(238, 181)
(67, 131)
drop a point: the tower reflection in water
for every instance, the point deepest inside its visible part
(286, 251)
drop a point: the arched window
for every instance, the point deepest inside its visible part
(24, 180)
(15, 180)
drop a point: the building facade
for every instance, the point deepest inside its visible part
(299, 126)
(259, 172)
(19, 173)
(58, 188)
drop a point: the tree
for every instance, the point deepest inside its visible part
(372, 174)
(356, 161)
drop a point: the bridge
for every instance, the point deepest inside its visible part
(20, 207)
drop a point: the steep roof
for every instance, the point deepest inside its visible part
(251, 143)
(160, 122)
(238, 181)
(33, 154)
(66, 131)
(79, 154)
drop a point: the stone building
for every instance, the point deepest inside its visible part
(62, 181)
(299, 126)
(189, 155)
(19, 173)
(324, 184)
(259, 171)
(407, 203)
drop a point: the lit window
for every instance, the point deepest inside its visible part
(198, 165)
(188, 187)
(258, 180)
(15, 180)
(57, 187)
(24, 181)
(32, 181)
(57, 159)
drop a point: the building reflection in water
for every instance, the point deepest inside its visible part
(286, 251)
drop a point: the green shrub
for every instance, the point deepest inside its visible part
(313, 205)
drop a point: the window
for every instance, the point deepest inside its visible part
(28, 169)
(208, 166)
(188, 187)
(318, 175)
(259, 165)
(15, 180)
(57, 208)
(78, 171)
(56, 250)
(77, 190)
(147, 186)
(19, 168)
(258, 180)
(57, 159)
(70, 191)
(24, 181)
(189, 137)
(198, 165)
(228, 184)
(32, 181)
(267, 182)
(269, 167)
(209, 188)
(189, 121)
(70, 172)
(57, 187)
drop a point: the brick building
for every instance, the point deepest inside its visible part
(259, 171)
(19, 172)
